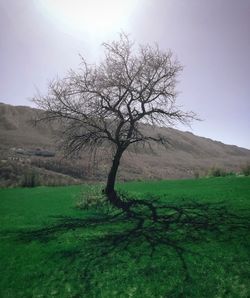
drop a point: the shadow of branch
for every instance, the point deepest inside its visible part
(176, 227)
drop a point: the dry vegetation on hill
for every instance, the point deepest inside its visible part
(186, 156)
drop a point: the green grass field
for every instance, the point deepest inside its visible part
(49, 248)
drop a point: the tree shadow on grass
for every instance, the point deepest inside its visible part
(179, 223)
(176, 229)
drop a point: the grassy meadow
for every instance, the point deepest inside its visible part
(50, 248)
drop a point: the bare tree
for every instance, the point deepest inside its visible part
(109, 103)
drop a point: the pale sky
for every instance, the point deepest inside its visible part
(41, 39)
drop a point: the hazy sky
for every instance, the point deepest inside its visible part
(41, 39)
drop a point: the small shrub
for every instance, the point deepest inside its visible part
(30, 179)
(246, 170)
(216, 172)
(9, 173)
(231, 174)
(213, 172)
(6, 172)
(196, 175)
(92, 197)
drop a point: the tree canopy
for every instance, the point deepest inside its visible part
(108, 103)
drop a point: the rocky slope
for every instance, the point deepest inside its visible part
(186, 155)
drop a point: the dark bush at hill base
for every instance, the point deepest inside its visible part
(218, 172)
(246, 170)
(10, 173)
(30, 178)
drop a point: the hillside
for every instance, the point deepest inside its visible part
(186, 155)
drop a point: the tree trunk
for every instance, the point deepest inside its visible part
(110, 192)
(115, 200)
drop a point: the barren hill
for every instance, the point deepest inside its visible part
(186, 155)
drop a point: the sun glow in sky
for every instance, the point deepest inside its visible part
(41, 39)
(94, 17)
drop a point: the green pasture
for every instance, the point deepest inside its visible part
(49, 248)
